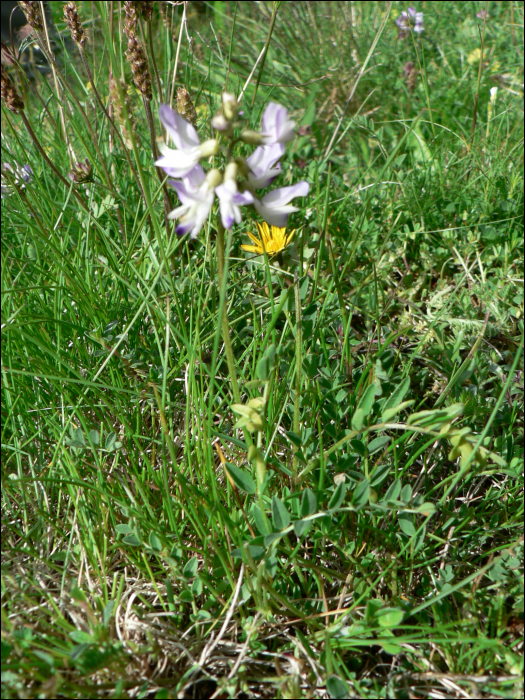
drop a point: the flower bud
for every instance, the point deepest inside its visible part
(230, 173)
(254, 138)
(220, 123)
(244, 169)
(229, 105)
(214, 177)
(81, 172)
(209, 148)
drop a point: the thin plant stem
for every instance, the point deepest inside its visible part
(155, 151)
(298, 368)
(100, 157)
(223, 271)
(265, 50)
(27, 125)
(153, 61)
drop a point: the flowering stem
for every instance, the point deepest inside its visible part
(223, 272)
(298, 368)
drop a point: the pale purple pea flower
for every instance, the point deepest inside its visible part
(276, 127)
(196, 190)
(274, 207)
(230, 199)
(180, 161)
(196, 201)
(261, 163)
(16, 174)
(410, 20)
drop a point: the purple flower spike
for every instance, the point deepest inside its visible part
(261, 164)
(276, 127)
(274, 207)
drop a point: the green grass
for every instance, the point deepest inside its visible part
(373, 547)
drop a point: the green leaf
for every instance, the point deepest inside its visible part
(154, 542)
(338, 496)
(308, 502)
(94, 436)
(6, 650)
(406, 494)
(336, 687)
(389, 413)
(271, 538)
(271, 565)
(390, 647)
(191, 568)
(360, 496)
(358, 419)
(301, 527)
(426, 508)
(253, 384)
(437, 416)
(281, 516)
(260, 521)
(112, 443)
(254, 551)
(379, 475)
(294, 438)
(108, 612)
(75, 443)
(406, 523)
(78, 595)
(419, 539)
(390, 617)
(359, 447)
(243, 481)
(397, 396)
(265, 364)
(132, 540)
(377, 443)
(393, 491)
(364, 407)
(196, 587)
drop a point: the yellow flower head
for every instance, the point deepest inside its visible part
(272, 241)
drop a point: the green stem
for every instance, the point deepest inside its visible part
(298, 368)
(222, 268)
(223, 272)
(267, 44)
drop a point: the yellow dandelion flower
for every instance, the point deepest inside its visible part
(272, 240)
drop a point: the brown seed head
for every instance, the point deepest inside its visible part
(33, 15)
(185, 106)
(139, 66)
(74, 23)
(10, 95)
(121, 109)
(146, 10)
(167, 18)
(131, 18)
